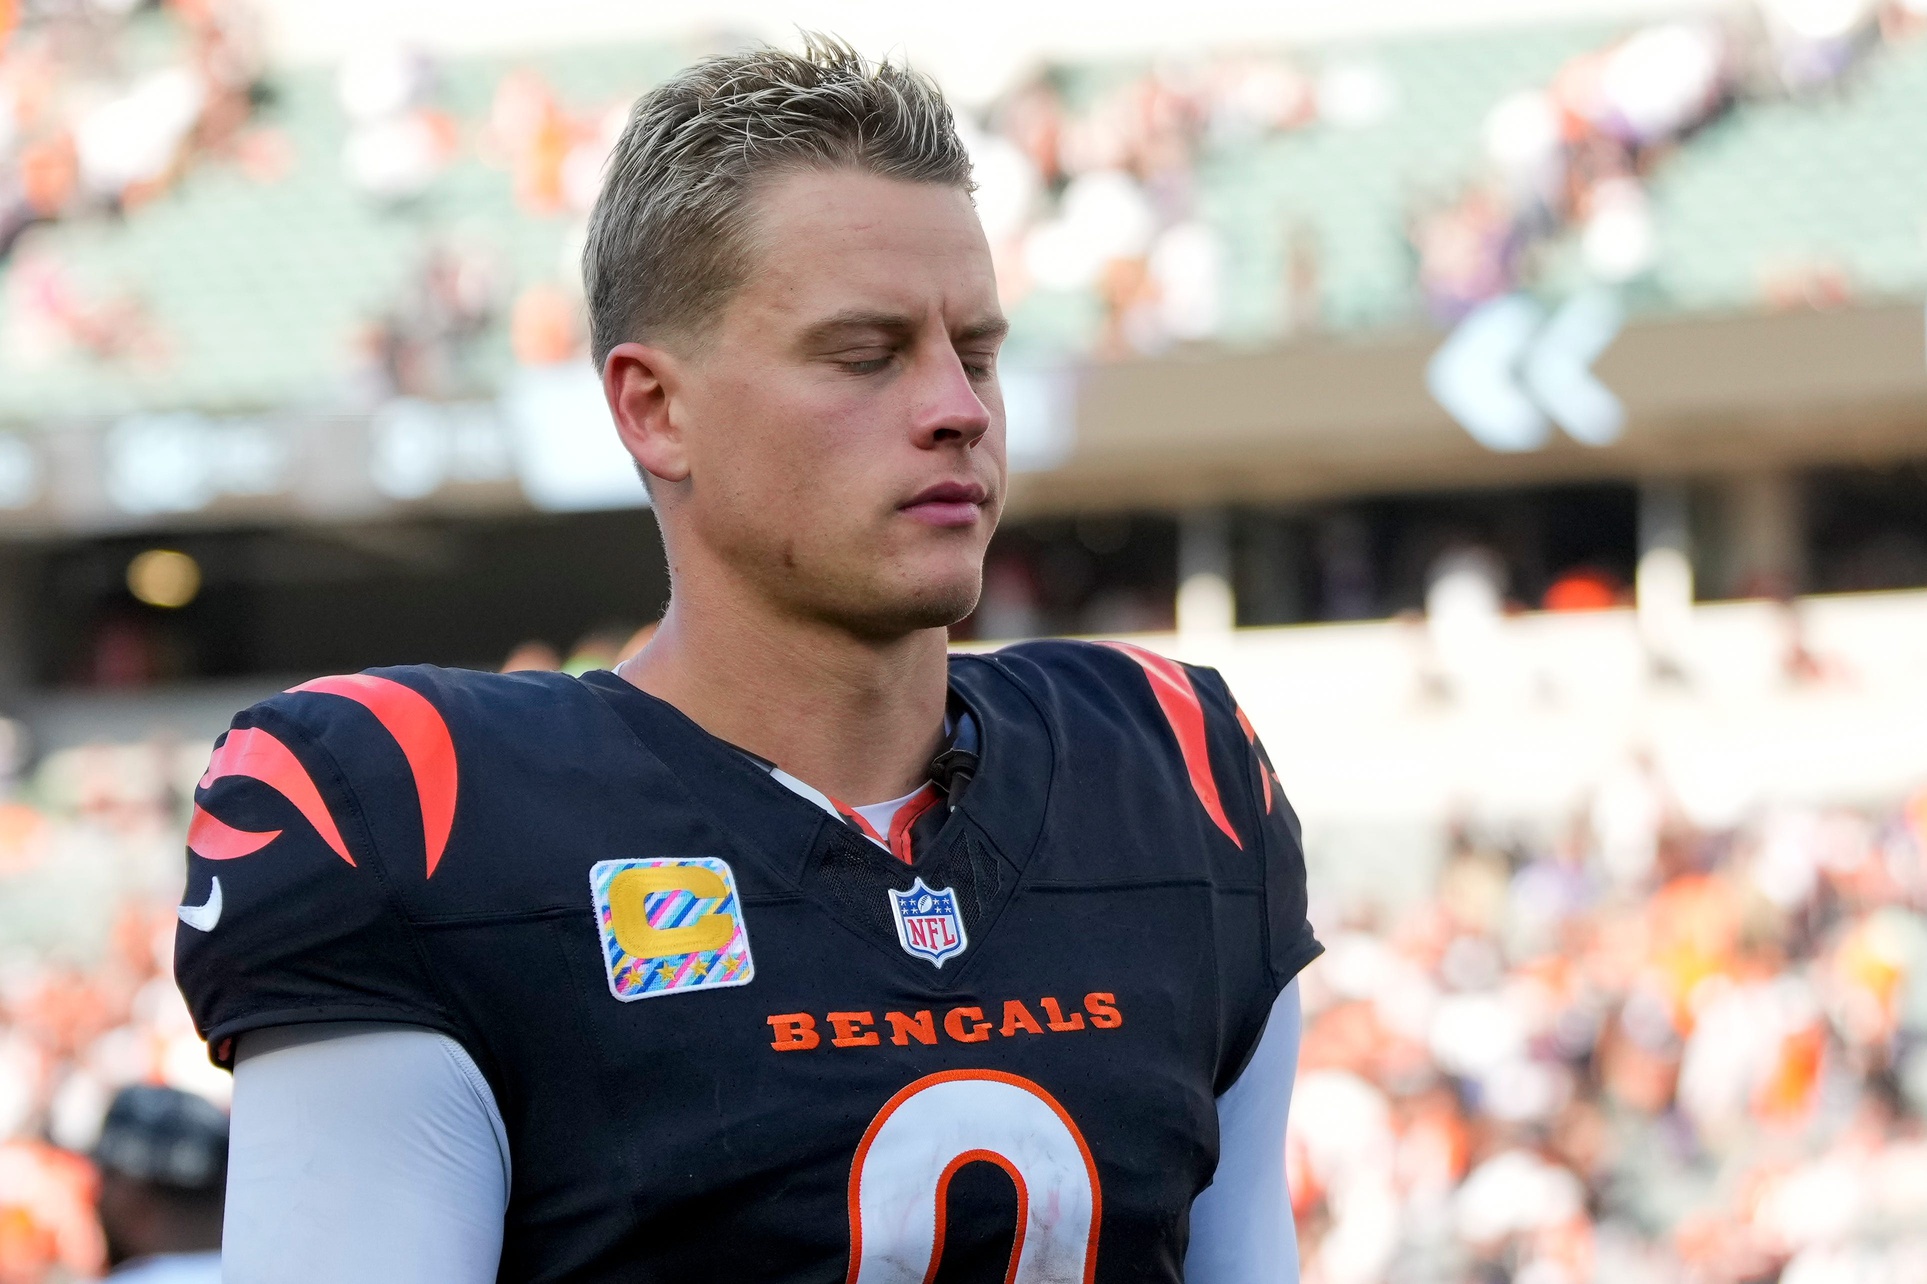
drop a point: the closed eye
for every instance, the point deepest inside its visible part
(869, 358)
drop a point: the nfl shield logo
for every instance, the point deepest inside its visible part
(928, 924)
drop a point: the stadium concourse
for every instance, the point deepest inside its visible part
(1608, 752)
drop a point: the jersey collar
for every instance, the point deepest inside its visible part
(998, 767)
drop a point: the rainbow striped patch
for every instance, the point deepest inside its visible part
(669, 925)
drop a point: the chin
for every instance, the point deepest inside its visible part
(883, 597)
(941, 614)
(932, 603)
(934, 607)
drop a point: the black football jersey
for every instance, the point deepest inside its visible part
(730, 1037)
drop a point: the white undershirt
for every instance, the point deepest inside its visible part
(881, 816)
(392, 1130)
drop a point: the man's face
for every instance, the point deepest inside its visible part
(841, 426)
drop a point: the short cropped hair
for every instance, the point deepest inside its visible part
(668, 239)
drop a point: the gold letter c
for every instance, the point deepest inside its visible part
(632, 887)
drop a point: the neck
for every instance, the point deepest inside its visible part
(857, 718)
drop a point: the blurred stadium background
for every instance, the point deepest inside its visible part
(1525, 404)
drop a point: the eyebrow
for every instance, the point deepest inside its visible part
(837, 326)
(989, 328)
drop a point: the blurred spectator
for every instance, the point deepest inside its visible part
(48, 1230)
(162, 1161)
(425, 344)
(606, 647)
(397, 142)
(1585, 588)
(1814, 41)
(602, 648)
(532, 657)
(1465, 605)
(1468, 253)
(546, 327)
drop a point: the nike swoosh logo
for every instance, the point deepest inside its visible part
(202, 918)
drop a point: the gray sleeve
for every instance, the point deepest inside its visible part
(1241, 1225)
(362, 1152)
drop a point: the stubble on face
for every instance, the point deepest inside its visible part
(853, 371)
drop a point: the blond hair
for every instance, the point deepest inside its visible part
(668, 239)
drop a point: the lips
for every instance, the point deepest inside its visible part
(948, 503)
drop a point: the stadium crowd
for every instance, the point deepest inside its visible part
(1574, 156)
(103, 105)
(1632, 1050)
(89, 872)
(1091, 180)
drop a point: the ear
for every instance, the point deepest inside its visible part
(639, 382)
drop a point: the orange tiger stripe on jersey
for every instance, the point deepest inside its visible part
(1178, 700)
(418, 728)
(1264, 768)
(256, 754)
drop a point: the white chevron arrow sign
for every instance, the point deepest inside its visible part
(1508, 372)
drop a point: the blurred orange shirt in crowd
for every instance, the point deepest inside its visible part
(46, 1214)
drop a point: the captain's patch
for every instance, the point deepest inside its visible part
(669, 925)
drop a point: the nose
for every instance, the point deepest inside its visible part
(950, 408)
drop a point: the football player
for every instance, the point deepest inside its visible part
(797, 949)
